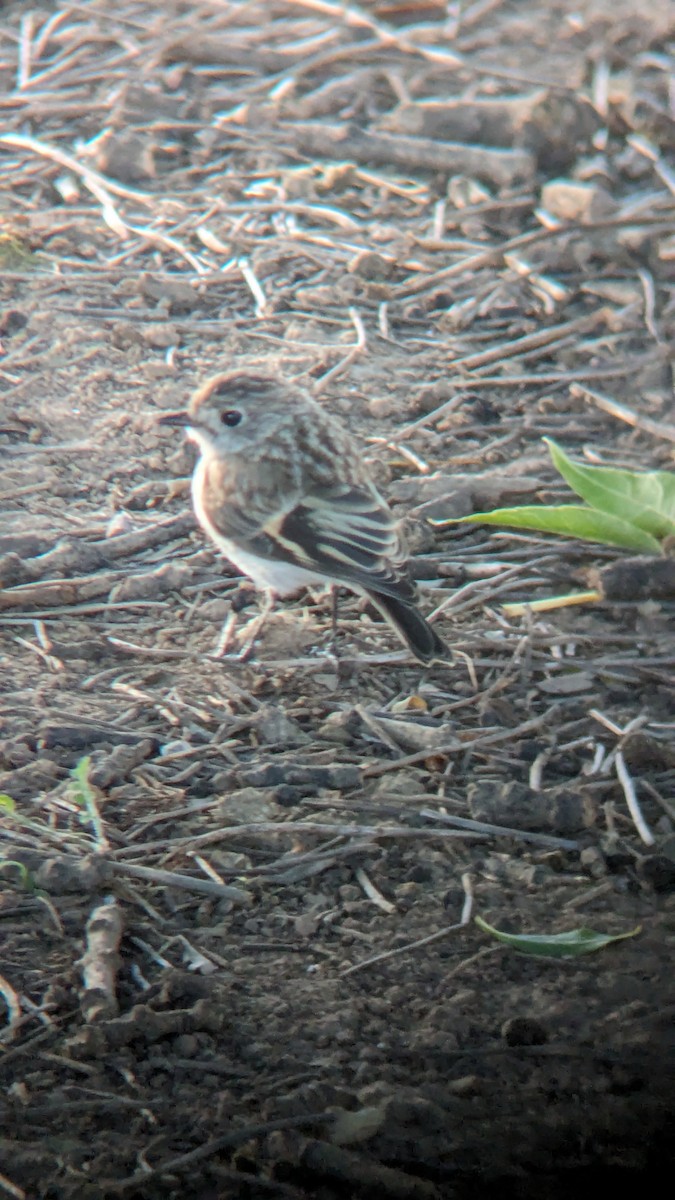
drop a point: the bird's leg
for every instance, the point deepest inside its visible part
(255, 626)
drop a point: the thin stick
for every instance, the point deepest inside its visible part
(371, 891)
(24, 64)
(425, 941)
(659, 429)
(186, 882)
(254, 286)
(530, 341)
(632, 802)
(91, 179)
(357, 347)
(11, 1188)
(523, 835)
(457, 747)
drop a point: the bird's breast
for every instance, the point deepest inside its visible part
(267, 572)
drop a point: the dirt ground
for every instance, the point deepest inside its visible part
(239, 954)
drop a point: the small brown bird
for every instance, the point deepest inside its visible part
(282, 489)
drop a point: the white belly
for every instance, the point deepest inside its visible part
(279, 576)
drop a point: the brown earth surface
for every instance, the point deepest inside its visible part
(239, 954)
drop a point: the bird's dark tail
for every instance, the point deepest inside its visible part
(411, 626)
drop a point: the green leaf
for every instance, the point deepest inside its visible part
(556, 945)
(7, 803)
(570, 520)
(644, 498)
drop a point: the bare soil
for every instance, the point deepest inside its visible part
(239, 955)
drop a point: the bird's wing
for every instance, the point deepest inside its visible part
(348, 534)
(344, 532)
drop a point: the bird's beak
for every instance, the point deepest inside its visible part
(180, 417)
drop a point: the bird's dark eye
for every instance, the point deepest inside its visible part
(230, 417)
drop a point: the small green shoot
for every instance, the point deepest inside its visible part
(16, 255)
(83, 794)
(43, 830)
(22, 871)
(556, 945)
(8, 807)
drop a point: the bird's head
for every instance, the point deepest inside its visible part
(233, 411)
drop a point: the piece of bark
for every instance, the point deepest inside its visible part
(636, 579)
(100, 962)
(500, 167)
